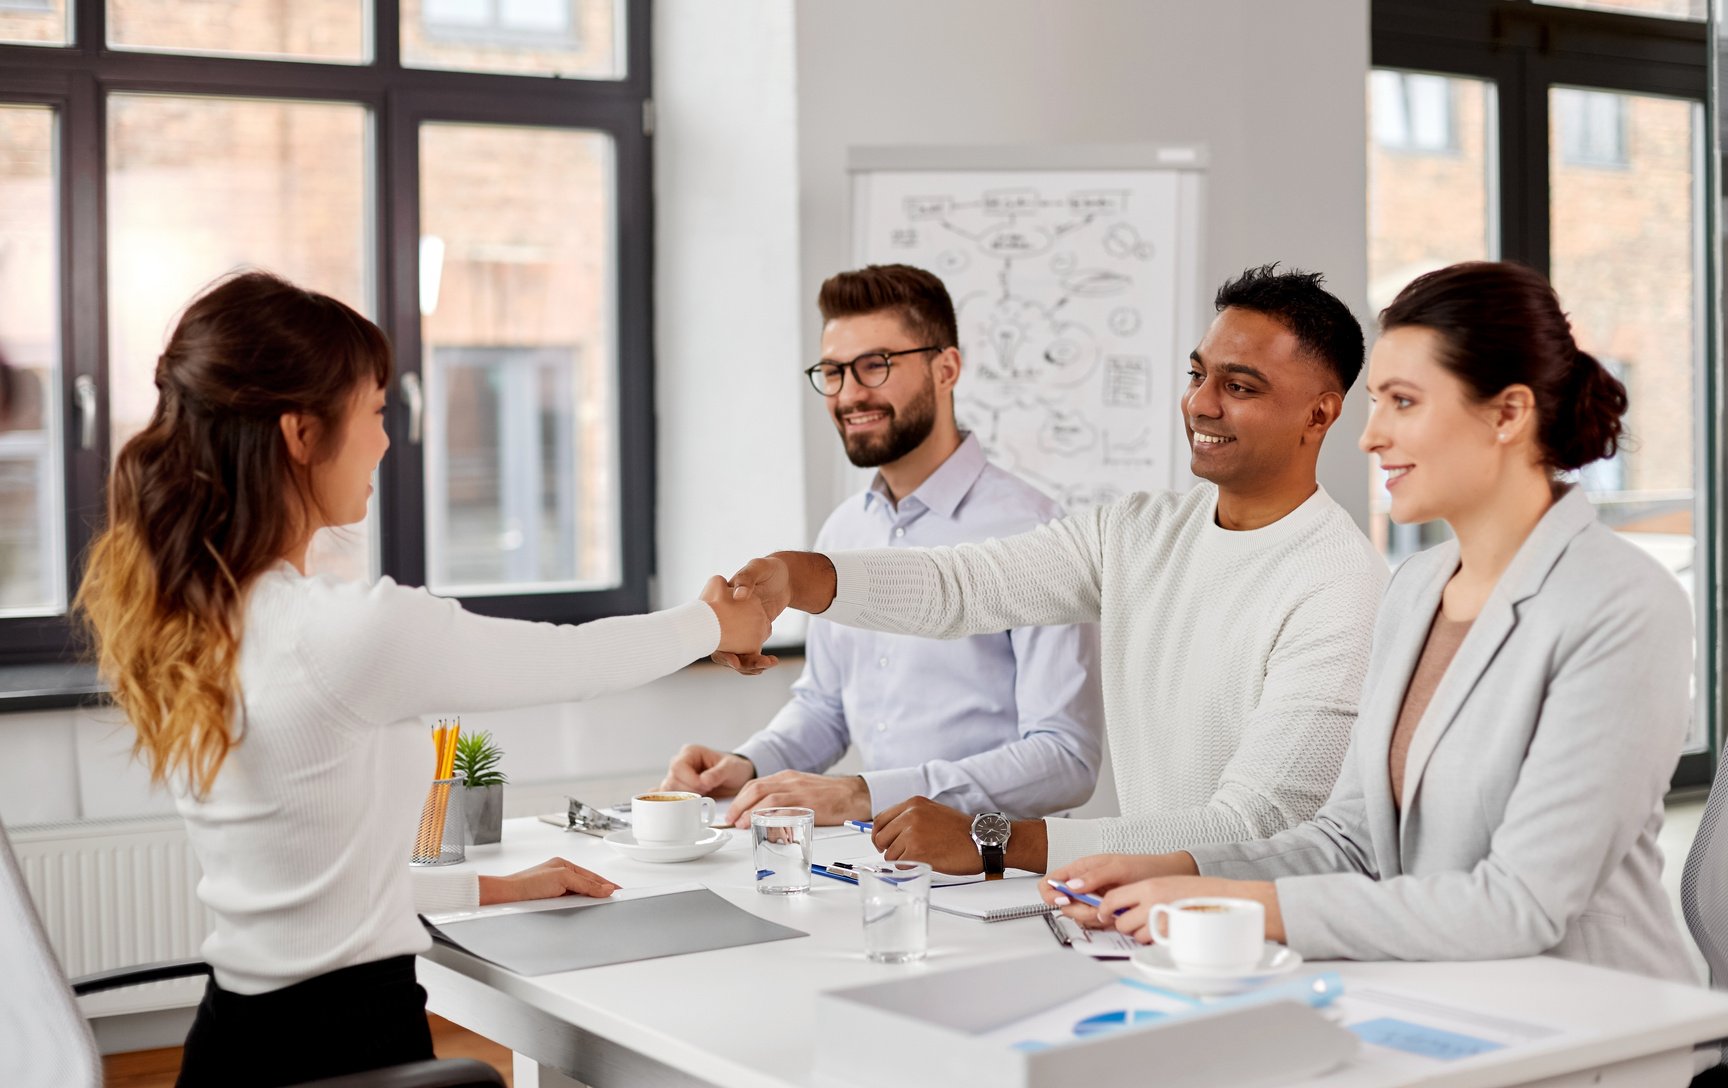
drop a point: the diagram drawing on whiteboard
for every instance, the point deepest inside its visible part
(1070, 289)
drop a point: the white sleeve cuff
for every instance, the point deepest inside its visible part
(698, 628)
(1067, 841)
(762, 754)
(851, 588)
(890, 787)
(435, 893)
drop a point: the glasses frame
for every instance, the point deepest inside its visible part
(817, 383)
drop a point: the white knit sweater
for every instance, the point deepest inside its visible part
(304, 839)
(1232, 661)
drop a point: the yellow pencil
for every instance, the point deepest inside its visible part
(427, 843)
(446, 768)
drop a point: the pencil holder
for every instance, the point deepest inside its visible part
(439, 840)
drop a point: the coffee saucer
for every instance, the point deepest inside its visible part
(1155, 962)
(625, 843)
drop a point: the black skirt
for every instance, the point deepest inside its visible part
(363, 1017)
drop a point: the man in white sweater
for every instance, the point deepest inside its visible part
(1235, 618)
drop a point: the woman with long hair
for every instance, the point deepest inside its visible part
(1528, 688)
(283, 709)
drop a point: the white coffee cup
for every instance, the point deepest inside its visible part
(1211, 934)
(670, 817)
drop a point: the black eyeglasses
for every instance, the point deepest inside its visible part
(868, 370)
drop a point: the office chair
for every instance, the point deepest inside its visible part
(49, 1045)
(1704, 899)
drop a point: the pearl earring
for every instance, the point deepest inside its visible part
(1502, 436)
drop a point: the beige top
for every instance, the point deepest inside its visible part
(1444, 638)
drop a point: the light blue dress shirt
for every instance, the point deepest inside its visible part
(1010, 722)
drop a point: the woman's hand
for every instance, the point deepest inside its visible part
(548, 880)
(1129, 907)
(744, 624)
(1099, 873)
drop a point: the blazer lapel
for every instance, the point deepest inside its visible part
(1378, 716)
(1520, 581)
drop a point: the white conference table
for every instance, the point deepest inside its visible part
(745, 1017)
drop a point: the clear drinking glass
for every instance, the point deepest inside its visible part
(895, 896)
(782, 849)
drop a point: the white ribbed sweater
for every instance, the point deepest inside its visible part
(1232, 661)
(304, 839)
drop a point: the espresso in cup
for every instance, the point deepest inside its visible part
(1213, 935)
(669, 818)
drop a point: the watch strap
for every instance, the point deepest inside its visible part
(995, 861)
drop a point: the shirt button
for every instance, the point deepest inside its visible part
(881, 727)
(900, 531)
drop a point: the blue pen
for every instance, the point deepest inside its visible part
(866, 826)
(1081, 897)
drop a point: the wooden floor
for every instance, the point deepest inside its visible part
(158, 1068)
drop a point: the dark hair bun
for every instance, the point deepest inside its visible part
(1588, 423)
(1502, 325)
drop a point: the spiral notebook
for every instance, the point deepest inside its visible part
(992, 900)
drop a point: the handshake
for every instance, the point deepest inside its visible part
(748, 603)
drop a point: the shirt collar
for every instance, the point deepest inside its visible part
(947, 486)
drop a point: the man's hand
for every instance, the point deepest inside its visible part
(835, 798)
(801, 580)
(708, 772)
(548, 880)
(768, 580)
(922, 830)
(1101, 873)
(744, 624)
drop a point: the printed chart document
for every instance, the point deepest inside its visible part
(1132, 1003)
(1405, 1033)
(556, 935)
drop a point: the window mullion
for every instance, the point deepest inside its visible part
(1524, 164)
(387, 35)
(90, 26)
(84, 288)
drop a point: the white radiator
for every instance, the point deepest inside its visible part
(117, 893)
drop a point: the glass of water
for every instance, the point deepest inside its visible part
(782, 849)
(895, 896)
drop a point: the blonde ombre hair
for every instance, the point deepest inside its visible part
(206, 498)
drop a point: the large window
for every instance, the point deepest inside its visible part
(1581, 151)
(405, 157)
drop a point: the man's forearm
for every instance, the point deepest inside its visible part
(1028, 846)
(812, 580)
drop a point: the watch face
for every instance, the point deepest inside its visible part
(990, 829)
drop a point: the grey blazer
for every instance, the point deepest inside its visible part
(1534, 782)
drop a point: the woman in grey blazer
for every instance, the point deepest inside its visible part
(1528, 690)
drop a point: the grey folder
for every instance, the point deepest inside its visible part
(598, 933)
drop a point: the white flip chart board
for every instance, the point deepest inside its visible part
(1075, 278)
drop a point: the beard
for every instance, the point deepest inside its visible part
(906, 431)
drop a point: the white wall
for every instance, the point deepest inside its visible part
(758, 101)
(1277, 91)
(727, 331)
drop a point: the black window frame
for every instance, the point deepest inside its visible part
(76, 80)
(1526, 48)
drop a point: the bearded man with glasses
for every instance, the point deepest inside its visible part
(1007, 722)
